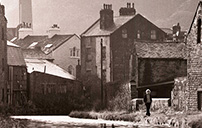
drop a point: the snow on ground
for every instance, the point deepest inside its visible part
(73, 121)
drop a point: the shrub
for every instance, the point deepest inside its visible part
(196, 123)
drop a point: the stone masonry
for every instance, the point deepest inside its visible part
(194, 61)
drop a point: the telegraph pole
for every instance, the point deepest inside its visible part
(101, 72)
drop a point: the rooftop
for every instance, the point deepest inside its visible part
(14, 55)
(161, 50)
(47, 67)
(95, 30)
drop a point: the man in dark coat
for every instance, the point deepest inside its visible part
(148, 101)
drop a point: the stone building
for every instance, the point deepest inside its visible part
(116, 34)
(194, 61)
(156, 65)
(3, 55)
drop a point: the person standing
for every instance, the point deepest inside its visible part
(148, 101)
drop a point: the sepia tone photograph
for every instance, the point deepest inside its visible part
(100, 64)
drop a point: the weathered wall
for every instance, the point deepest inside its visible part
(3, 55)
(123, 46)
(88, 56)
(17, 83)
(160, 70)
(62, 56)
(40, 83)
(179, 94)
(106, 57)
(194, 63)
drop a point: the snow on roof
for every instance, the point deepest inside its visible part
(33, 44)
(11, 44)
(47, 67)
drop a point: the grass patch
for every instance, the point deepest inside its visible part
(106, 115)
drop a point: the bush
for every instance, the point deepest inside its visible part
(121, 101)
(196, 123)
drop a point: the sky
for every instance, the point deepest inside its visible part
(75, 16)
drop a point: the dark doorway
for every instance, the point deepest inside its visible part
(199, 97)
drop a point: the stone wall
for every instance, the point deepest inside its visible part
(194, 62)
(179, 94)
(160, 70)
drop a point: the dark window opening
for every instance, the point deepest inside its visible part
(199, 31)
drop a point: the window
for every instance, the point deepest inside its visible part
(124, 33)
(199, 31)
(77, 53)
(153, 34)
(88, 54)
(74, 52)
(138, 34)
(104, 52)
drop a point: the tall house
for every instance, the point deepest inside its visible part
(194, 61)
(114, 36)
(3, 55)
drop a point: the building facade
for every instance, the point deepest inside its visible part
(194, 62)
(115, 36)
(3, 55)
(17, 76)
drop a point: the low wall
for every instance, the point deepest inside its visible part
(179, 94)
(157, 103)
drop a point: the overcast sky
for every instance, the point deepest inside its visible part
(74, 16)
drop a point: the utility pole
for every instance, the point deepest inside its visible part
(101, 72)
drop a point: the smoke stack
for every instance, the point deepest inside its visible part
(106, 16)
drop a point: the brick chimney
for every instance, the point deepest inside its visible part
(128, 11)
(54, 29)
(106, 16)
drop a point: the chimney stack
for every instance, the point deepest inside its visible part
(106, 16)
(128, 10)
(54, 29)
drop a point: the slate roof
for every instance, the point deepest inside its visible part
(119, 21)
(28, 40)
(54, 42)
(14, 55)
(35, 54)
(32, 42)
(47, 67)
(161, 50)
(95, 30)
(11, 33)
